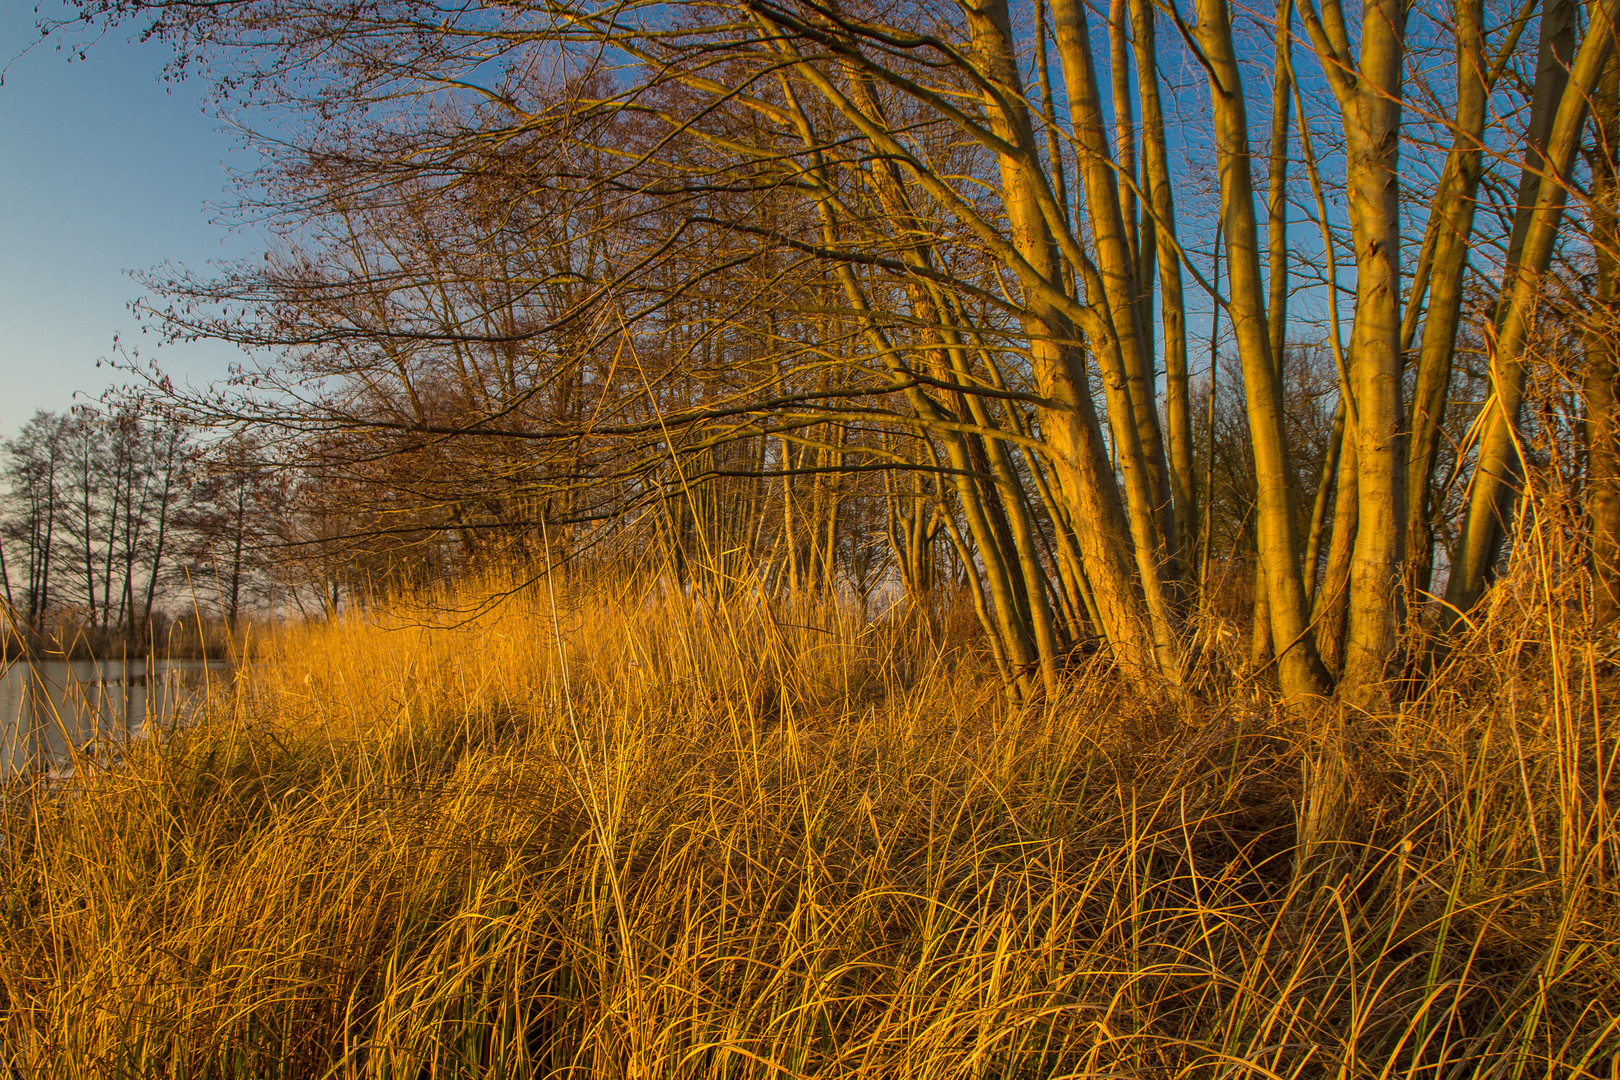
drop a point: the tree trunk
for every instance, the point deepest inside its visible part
(1598, 378)
(1159, 230)
(1282, 87)
(1325, 486)
(1128, 351)
(1136, 620)
(1496, 478)
(1299, 669)
(1369, 98)
(1330, 609)
(1453, 223)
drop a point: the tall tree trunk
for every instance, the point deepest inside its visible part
(1369, 98)
(1282, 88)
(1602, 348)
(1159, 232)
(1139, 636)
(1496, 478)
(1017, 642)
(1136, 618)
(1452, 223)
(1299, 670)
(1010, 506)
(1133, 407)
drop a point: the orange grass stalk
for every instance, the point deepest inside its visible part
(774, 840)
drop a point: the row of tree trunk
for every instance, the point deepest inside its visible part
(656, 251)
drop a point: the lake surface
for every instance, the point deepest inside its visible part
(46, 708)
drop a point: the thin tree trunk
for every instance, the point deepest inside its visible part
(1598, 378)
(1043, 77)
(1331, 604)
(1299, 670)
(1126, 356)
(1282, 86)
(1369, 97)
(1206, 529)
(1069, 420)
(1136, 620)
(1010, 511)
(1158, 230)
(1325, 486)
(1119, 71)
(1453, 222)
(1026, 622)
(1496, 477)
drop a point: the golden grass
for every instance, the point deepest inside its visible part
(681, 840)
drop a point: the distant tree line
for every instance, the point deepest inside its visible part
(114, 520)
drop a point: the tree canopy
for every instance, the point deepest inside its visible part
(1086, 304)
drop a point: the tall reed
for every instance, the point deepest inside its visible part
(617, 831)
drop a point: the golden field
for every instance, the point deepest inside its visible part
(614, 830)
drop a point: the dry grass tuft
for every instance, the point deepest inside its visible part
(681, 839)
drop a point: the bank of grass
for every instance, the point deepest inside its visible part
(680, 839)
(194, 636)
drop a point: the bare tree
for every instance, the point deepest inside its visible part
(736, 275)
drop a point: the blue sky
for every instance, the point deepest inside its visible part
(103, 170)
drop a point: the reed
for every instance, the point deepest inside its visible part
(612, 830)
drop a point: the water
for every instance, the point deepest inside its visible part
(61, 703)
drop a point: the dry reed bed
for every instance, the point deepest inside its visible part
(681, 839)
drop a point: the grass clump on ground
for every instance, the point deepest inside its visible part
(676, 838)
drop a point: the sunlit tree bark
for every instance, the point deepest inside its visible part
(1598, 377)
(1496, 479)
(1299, 669)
